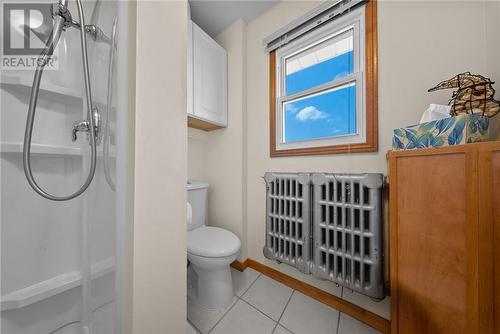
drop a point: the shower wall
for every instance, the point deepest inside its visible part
(58, 258)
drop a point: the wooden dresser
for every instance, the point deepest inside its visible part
(445, 239)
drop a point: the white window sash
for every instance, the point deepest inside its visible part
(354, 20)
(318, 89)
(358, 137)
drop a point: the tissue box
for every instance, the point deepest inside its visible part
(456, 130)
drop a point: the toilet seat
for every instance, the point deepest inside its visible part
(208, 241)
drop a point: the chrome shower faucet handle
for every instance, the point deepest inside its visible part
(79, 126)
(84, 126)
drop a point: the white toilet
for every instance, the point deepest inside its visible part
(210, 251)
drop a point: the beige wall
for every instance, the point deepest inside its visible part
(159, 232)
(492, 26)
(218, 156)
(197, 157)
(492, 20)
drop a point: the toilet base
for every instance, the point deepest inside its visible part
(210, 282)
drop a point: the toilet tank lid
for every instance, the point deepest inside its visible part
(192, 185)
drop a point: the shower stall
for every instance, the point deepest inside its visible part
(63, 170)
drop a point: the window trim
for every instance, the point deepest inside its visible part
(369, 142)
(353, 22)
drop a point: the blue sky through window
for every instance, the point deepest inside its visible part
(320, 73)
(329, 114)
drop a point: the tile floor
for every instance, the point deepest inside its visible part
(262, 305)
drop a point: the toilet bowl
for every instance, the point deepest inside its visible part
(210, 251)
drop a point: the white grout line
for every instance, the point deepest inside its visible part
(286, 305)
(338, 323)
(223, 315)
(227, 311)
(279, 319)
(194, 326)
(251, 284)
(257, 309)
(338, 317)
(288, 329)
(276, 322)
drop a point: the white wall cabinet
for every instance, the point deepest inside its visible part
(207, 80)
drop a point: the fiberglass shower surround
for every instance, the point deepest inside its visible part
(61, 260)
(329, 226)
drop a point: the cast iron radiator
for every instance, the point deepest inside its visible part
(328, 225)
(288, 223)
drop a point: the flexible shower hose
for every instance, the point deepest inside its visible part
(59, 23)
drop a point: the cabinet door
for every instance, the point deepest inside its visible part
(210, 78)
(432, 274)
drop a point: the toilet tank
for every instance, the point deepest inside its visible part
(197, 193)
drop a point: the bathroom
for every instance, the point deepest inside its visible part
(180, 213)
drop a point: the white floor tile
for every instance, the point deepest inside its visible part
(350, 325)
(304, 315)
(244, 319)
(281, 330)
(243, 280)
(190, 329)
(205, 320)
(269, 296)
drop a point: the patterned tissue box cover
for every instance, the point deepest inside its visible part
(444, 132)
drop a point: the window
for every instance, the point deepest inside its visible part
(323, 89)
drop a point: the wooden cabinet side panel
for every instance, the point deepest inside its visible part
(393, 242)
(431, 266)
(496, 226)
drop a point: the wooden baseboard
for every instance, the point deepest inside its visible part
(240, 266)
(367, 317)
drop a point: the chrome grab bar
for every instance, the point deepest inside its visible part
(62, 20)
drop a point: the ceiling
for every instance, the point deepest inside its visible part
(215, 16)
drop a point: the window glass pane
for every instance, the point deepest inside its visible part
(328, 114)
(322, 63)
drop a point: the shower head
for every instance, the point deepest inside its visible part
(61, 10)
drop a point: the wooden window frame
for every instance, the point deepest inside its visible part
(371, 96)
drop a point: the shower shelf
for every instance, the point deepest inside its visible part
(53, 286)
(26, 83)
(49, 150)
(41, 149)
